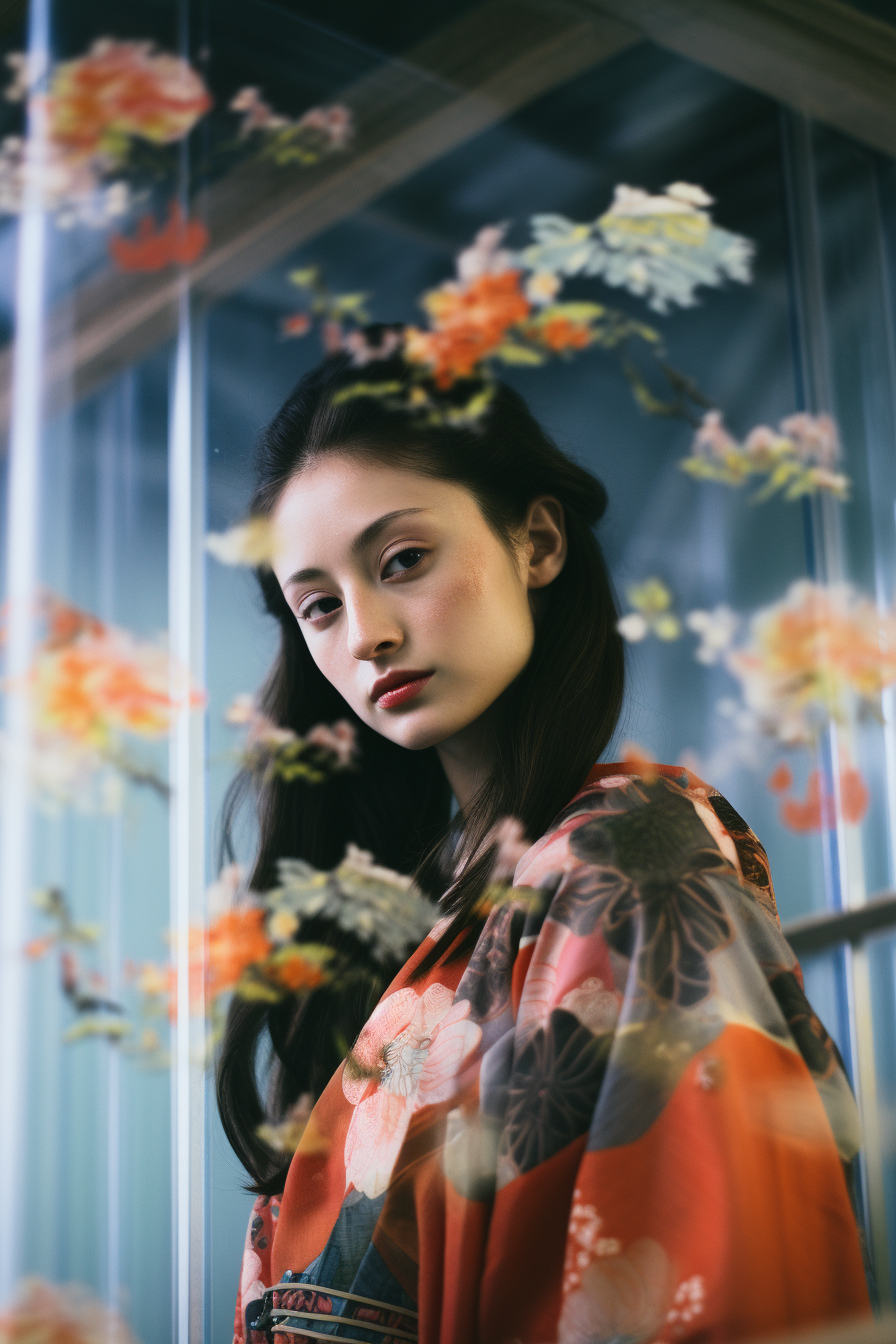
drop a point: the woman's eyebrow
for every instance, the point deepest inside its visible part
(364, 538)
(372, 530)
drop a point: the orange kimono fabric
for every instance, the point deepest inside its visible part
(619, 1118)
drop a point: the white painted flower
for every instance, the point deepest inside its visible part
(542, 288)
(281, 925)
(652, 601)
(713, 437)
(485, 256)
(716, 629)
(241, 709)
(633, 627)
(253, 542)
(117, 199)
(222, 894)
(689, 194)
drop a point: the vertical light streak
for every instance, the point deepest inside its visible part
(21, 574)
(179, 511)
(187, 832)
(106, 556)
(842, 846)
(113, 1081)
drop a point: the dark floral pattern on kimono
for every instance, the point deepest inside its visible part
(753, 858)
(556, 1079)
(647, 884)
(814, 1043)
(256, 1233)
(486, 980)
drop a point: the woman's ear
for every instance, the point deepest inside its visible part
(545, 530)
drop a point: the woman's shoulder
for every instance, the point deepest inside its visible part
(663, 805)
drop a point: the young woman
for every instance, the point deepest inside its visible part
(602, 1109)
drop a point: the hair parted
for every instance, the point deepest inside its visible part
(550, 725)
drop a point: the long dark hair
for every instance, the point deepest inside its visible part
(550, 725)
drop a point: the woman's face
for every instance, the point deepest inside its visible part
(410, 604)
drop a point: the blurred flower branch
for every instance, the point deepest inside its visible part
(113, 116)
(270, 750)
(46, 1313)
(797, 459)
(96, 1014)
(819, 656)
(92, 687)
(504, 306)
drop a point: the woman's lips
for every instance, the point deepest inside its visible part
(398, 694)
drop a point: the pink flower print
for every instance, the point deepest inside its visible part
(387, 1022)
(251, 1284)
(396, 1042)
(454, 1042)
(374, 1137)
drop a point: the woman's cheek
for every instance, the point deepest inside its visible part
(456, 604)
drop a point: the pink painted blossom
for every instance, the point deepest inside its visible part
(815, 437)
(412, 1061)
(712, 437)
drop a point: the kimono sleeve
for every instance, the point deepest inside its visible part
(255, 1270)
(673, 1125)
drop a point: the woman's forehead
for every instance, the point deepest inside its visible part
(336, 504)
(341, 485)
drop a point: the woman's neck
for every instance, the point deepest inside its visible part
(467, 760)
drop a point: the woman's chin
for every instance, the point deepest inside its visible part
(419, 729)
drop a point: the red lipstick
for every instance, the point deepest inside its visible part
(396, 687)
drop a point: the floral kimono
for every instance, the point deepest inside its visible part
(618, 1118)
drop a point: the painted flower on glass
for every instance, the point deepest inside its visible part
(798, 458)
(256, 114)
(97, 106)
(286, 1136)
(316, 133)
(819, 809)
(660, 248)
(87, 990)
(382, 908)
(253, 542)
(180, 241)
(69, 187)
(122, 90)
(45, 1313)
(93, 687)
(469, 322)
(112, 115)
(505, 307)
(811, 656)
(319, 131)
(232, 943)
(270, 750)
(652, 602)
(716, 630)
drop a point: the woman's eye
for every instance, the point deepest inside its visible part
(320, 607)
(402, 561)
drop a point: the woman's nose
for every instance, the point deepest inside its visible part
(371, 630)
